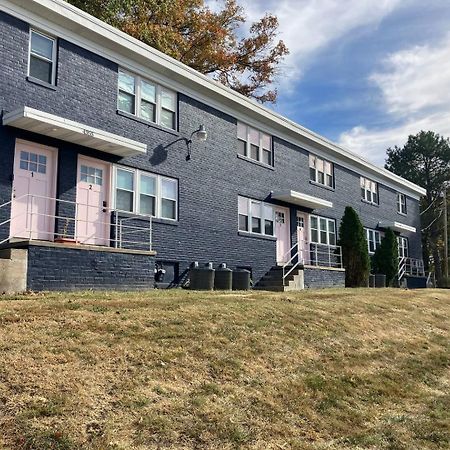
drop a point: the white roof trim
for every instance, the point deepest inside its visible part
(297, 198)
(67, 130)
(397, 226)
(68, 22)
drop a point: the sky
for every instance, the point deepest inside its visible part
(363, 73)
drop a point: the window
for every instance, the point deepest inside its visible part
(33, 162)
(323, 230)
(373, 240)
(146, 193)
(42, 57)
(254, 144)
(91, 175)
(369, 191)
(256, 217)
(402, 247)
(321, 171)
(146, 100)
(401, 203)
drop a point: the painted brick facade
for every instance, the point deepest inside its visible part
(209, 183)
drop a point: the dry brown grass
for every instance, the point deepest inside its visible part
(360, 369)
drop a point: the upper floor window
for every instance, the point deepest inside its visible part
(254, 144)
(373, 240)
(323, 230)
(147, 100)
(146, 193)
(42, 57)
(402, 243)
(256, 217)
(369, 191)
(401, 203)
(321, 171)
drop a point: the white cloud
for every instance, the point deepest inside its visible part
(415, 89)
(308, 26)
(416, 79)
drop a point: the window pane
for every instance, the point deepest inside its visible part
(266, 141)
(148, 185)
(148, 111)
(243, 222)
(243, 205)
(321, 176)
(256, 225)
(124, 200)
(169, 189)
(254, 136)
(314, 235)
(329, 180)
(332, 238)
(147, 204)
(314, 222)
(168, 209)
(40, 69)
(312, 174)
(267, 156)
(254, 152)
(323, 224)
(148, 91)
(256, 209)
(126, 83)
(168, 100)
(41, 45)
(168, 119)
(125, 179)
(126, 102)
(242, 131)
(268, 227)
(242, 147)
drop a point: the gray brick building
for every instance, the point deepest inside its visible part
(103, 172)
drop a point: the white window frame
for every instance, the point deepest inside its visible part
(376, 239)
(158, 103)
(403, 247)
(247, 153)
(371, 191)
(263, 216)
(315, 163)
(401, 204)
(54, 54)
(328, 230)
(137, 192)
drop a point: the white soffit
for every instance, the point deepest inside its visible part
(397, 226)
(67, 130)
(66, 21)
(305, 200)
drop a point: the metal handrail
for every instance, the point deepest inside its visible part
(285, 274)
(77, 220)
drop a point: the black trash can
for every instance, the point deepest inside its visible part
(241, 280)
(223, 278)
(201, 278)
(380, 280)
(372, 281)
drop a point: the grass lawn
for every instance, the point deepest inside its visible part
(332, 369)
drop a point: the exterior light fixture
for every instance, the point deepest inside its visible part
(201, 134)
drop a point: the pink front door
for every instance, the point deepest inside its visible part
(34, 186)
(282, 234)
(92, 215)
(302, 237)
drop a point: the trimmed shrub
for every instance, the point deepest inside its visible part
(355, 256)
(385, 259)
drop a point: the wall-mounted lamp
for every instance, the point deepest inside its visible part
(201, 134)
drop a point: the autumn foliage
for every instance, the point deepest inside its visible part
(218, 42)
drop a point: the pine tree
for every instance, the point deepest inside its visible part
(355, 256)
(385, 259)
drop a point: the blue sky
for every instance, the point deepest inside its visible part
(364, 73)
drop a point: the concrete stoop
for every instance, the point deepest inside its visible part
(273, 280)
(13, 270)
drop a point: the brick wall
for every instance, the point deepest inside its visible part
(323, 278)
(66, 269)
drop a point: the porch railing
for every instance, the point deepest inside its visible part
(312, 254)
(410, 266)
(67, 223)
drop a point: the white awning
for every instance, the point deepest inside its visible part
(396, 226)
(67, 130)
(297, 198)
